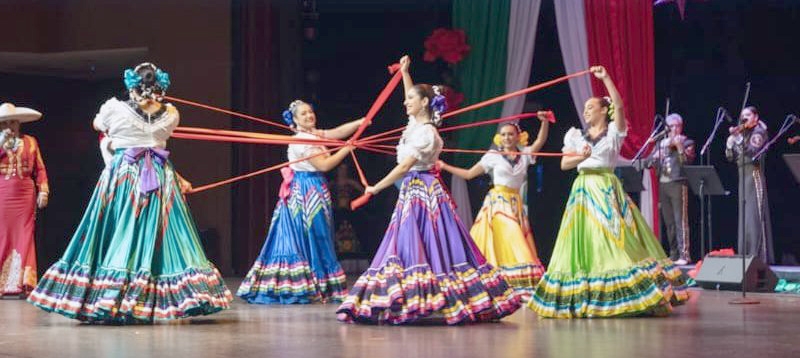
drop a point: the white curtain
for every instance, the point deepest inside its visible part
(649, 212)
(571, 24)
(522, 23)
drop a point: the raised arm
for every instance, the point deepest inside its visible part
(544, 129)
(619, 108)
(397, 172)
(341, 132)
(405, 64)
(467, 174)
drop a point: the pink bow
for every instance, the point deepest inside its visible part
(286, 190)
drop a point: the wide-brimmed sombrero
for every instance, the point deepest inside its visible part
(10, 112)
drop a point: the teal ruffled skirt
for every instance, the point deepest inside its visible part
(135, 257)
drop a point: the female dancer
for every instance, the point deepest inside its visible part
(501, 229)
(23, 189)
(136, 256)
(427, 264)
(606, 261)
(755, 228)
(297, 263)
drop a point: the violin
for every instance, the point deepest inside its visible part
(742, 127)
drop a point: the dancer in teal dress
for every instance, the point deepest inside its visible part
(606, 261)
(136, 255)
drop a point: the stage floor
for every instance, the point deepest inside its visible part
(705, 327)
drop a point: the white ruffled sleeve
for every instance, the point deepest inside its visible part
(103, 118)
(173, 120)
(488, 161)
(572, 140)
(616, 136)
(423, 143)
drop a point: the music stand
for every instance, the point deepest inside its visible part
(704, 181)
(631, 178)
(793, 162)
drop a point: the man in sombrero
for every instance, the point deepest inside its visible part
(23, 188)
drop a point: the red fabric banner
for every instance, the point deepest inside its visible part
(619, 36)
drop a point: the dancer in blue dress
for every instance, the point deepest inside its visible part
(297, 263)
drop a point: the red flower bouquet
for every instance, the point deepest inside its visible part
(449, 45)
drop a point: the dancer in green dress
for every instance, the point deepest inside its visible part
(606, 261)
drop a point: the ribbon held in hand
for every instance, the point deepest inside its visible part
(286, 186)
(360, 201)
(148, 178)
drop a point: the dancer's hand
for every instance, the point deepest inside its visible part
(319, 132)
(405, 63)
(439, 165)
(185, 185)
(42, 199)
(599, 72)
(546, 116)
(371, 190)
(586, 152)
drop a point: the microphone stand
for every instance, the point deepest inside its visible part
(742, 202)
(657, 128)
(705, 159)
(787, 124)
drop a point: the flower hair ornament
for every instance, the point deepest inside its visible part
(611, 108)
(523, 136)
(147, 81)
(438, 105)
(288, 114)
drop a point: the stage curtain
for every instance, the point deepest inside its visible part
(258, 27)
(620, 37)
(481, 75)
(522, 24)
(572, 39)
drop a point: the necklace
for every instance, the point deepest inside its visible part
(147, 116)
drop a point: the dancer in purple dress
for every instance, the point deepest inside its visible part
(427, 264)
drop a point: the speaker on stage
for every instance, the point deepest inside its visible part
(725, 273)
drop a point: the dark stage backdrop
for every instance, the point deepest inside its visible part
(191, 40)
(703, 62)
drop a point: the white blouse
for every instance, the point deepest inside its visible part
(604, 153)
(299, 151)
(421, 141)
(501, 170)
(128, 129)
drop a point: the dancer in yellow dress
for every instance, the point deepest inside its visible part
(501, 230)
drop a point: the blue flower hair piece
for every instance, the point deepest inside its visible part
(162, 79)
(288, 114)
(288, 117)
(438, 104)
(132, 79)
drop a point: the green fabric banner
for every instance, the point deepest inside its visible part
(482, 74)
